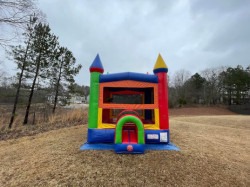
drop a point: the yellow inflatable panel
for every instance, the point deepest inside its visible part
(99, 117)
(107, 126)
(160, 63)
(157, 121)
(101, 125)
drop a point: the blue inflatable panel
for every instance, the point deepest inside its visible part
(170, 147)
(107, 136)
(99, 146)
(101, 135)
(158, 70)
(157, 136)
(129, 148)
(128, 76)
(97, 63)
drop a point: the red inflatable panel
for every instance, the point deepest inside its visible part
(133, 136)
(163, 100)
(125, 136)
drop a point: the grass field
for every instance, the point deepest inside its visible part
(215, 151)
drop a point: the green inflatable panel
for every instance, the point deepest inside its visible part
(93, 100)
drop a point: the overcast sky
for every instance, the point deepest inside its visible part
(129, 34)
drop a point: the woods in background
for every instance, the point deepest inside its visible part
(222, 85)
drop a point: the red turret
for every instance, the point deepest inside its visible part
(161, 70)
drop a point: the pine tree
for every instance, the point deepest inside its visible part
(21, 57)
(63, 71)
(43, 44)
(236, 82)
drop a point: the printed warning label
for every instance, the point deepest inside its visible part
(153, 137)
(163, 137)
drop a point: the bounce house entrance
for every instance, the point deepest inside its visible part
(129, 133)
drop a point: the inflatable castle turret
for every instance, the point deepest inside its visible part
(95, 70)
(128, 111)
(161, 70)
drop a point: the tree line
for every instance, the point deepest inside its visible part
(42, 58)
(222, 85)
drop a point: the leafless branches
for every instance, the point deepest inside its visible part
(14, 16)
(15, 12)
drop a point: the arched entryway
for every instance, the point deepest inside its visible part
(128, 118)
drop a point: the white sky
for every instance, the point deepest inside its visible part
(129, 34)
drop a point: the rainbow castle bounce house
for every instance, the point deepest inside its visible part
(128, 112)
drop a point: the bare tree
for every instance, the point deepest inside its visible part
(14, 16)
(2, 73)
(179, 79)
(86, 91)
(212, 88)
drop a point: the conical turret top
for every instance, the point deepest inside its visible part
(96, 65)
(160, 65)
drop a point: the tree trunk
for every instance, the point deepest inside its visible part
(16, 99)
(230, 97)
(18, 88)
(57, 87)
(31, 92)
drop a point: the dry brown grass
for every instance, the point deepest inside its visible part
(200, 110)
(62, 118)
(72, 115)
(5, 119)
(215, 151)
(40, 115)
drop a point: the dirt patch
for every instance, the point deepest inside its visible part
(215, 151)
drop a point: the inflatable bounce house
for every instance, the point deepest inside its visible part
(128, 111)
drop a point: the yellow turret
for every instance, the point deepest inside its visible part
(160, 65)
